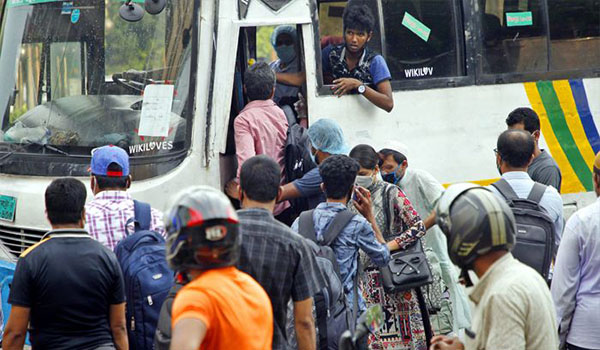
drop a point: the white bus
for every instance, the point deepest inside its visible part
(76, 75)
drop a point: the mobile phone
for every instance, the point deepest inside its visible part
(354, 196)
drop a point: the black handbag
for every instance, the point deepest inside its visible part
(407, 269)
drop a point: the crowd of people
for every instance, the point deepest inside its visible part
(260, 277)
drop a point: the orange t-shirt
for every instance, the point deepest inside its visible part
(236, 310)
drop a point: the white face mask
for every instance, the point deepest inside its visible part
(364, 181)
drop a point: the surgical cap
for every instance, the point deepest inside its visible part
(326, 135)
(290, 30)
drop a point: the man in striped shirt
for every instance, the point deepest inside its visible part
(107, 214)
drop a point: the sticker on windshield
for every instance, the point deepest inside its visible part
(67, 8)
(416, 26)
(156, 110)
(15, 3)
(75, 16)
(517, 19)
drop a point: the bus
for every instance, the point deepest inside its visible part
(166, 84)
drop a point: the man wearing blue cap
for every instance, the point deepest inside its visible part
(107, 214)
(327, 138)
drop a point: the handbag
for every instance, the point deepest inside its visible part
(408, 269)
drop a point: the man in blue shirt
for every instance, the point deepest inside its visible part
(339, 174)
(351, 66)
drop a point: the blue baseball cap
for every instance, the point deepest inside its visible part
(104, 156)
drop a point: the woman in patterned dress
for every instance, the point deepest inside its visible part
(403, 328)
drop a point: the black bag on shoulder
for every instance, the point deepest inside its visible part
(408, 269)
(534, 244)
(297, 161)
(162, 337)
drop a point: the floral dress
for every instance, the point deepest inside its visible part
(403, 327)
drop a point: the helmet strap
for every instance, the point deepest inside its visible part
(464, 275)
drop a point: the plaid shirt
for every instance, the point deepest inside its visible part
(107, 214)
(281, 262)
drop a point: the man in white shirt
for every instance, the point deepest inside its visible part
(576, 282)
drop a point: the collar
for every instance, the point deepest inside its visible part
(259, 104)
(113, 195)
(407, 175)
(329, 205)
(489, 276)
(516, 175)
(257, 212)
(362, 57)
(67, 233)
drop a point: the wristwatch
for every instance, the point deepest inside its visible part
(361, 89)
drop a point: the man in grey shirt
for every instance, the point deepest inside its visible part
(543, 168)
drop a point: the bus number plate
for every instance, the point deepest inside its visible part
(8, 206)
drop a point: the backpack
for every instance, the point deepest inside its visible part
(162, 337)
(333, 314)
(535, 234)
(297, 161)
(147, 276)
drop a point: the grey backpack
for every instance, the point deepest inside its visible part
(534, 244)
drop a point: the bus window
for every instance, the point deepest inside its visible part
(67, 77)
(574, 34)
(420, 39)
(514, 36)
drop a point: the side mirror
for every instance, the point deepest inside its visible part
(131, 12)
(154, 7)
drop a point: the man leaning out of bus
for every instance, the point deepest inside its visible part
(351, 66)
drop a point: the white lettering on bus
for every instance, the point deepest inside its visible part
(418, 72)
(151, 146)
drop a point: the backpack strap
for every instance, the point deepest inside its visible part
(143, 215)
(306, 226)
(322, 309)
(341, 220)
(505, 189)
(537, 192)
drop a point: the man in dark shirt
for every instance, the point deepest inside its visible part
(274, 255)
(543, 168)
(68, 288)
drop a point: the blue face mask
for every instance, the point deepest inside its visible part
(286, 53)
(391, 177)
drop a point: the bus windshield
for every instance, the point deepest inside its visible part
(75, 76)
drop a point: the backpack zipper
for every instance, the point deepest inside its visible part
(132, 323)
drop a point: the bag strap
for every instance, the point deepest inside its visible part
(355, 296)
(341, 220)
(537, 192)
(306, 226)
(321, 311)
(143, 215)
(505, 189)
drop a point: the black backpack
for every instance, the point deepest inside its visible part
(162, 337)
(535, 229)
(333, 314)
(297, 161)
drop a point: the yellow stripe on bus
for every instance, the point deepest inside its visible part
(570, 182)
(485, 182)
(567, 103)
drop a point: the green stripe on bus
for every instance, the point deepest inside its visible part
(563, 134)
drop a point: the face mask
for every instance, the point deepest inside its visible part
(391, 177)
(313, 157)
(286, 53)
(364, 181)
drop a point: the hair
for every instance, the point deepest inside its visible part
(339, 174)
(105, 182)
(65, 199)
(524, 115)
(366, 156)
(359, 17)
(398, 157)
(259, 81)
(516, 147)
(260, 178)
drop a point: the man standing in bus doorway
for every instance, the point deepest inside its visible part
(424, 191)
(543, 168)
(284, 41)
(351, 66)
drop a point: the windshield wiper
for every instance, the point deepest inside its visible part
(49, 147)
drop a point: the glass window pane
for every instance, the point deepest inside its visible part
(514, 38)
(575, 34)
(420, 39)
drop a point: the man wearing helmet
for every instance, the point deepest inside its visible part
(513, 306)
(222, 307)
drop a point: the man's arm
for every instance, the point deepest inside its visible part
(305, 324)
(244, 142)
(188, 334)
(294, 79)
(380, 97)
(16, 328)
(289, 191)
(118, 326)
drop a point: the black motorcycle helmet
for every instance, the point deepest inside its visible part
(202, 231)
(475, 222)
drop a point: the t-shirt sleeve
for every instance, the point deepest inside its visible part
(307, 279)
(550, 176)
(190, 303)
(309, 184)
(325, 58)
(21, 290)
(379, 70)
(117, 294)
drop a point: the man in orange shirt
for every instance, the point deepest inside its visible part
(222, 307)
